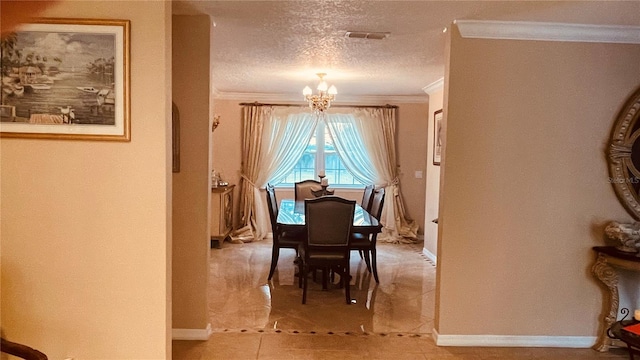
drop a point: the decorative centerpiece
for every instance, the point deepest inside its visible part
(324, 184)
(627, 236)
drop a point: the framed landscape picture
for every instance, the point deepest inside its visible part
(437, 137)
(66, 79)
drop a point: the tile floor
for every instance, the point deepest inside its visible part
(256, 319)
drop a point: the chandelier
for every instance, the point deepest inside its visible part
(322, 100)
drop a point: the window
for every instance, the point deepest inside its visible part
(316, 158)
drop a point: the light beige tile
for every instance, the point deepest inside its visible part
(235, 346)
(321, 355)
(319, 342)
(240, 298)
(188, 350)
(324, 346)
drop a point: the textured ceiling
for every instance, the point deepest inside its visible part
(276, 47)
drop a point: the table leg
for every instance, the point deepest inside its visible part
(609, 277)
(374, 256)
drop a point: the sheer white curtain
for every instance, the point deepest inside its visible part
(350, 147)
(275, 146)
(274, 139)
(364, 139)
(287, 134)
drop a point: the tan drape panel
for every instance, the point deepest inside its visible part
(405, 229)
(254, 118)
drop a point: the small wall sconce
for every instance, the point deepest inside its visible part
(216, 122)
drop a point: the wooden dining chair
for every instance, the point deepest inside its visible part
(329, 220)
(21, 351)
(304, 189)
(367, 196)
(366, 243)
(281, 239)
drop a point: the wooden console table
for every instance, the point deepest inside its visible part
(221, 213)
(605, 269)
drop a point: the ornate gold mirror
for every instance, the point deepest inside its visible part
(624, 156)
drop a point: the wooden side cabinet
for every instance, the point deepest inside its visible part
(221, 214)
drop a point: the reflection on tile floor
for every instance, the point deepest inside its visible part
(240, 346)
(241, 298)
(256, 319)
(252, 345)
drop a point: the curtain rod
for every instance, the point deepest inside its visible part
(387, 106)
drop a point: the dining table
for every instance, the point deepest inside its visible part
(291, 217)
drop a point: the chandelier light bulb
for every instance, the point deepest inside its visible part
(322, 86)
(332, 90)
(306, 91)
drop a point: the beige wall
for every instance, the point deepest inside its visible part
(412, 151)
(85, 233)
(412, 156)
(227, 142)
(525, 191)
(432, 198)
(191, 191)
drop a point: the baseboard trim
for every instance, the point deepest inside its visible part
(191, 334)
(513, 340)
(430, 256)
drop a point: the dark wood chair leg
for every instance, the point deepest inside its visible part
(304, 285)
(374, 265)
(345, 278)
(275, 253)
(367, 260)
(325, 278)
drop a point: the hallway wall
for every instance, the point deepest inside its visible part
(86, 231)
(191, 186)
(526, 192)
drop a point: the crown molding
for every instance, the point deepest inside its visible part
(523, 30)
(434, 86)
(343, 99)
(214, 91)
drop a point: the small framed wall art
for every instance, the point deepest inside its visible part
(437, 137)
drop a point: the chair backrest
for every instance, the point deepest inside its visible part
(272, 204)
(367, 196)
(329, 220)
(377, 202)
(303, 189)
(21, 351)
